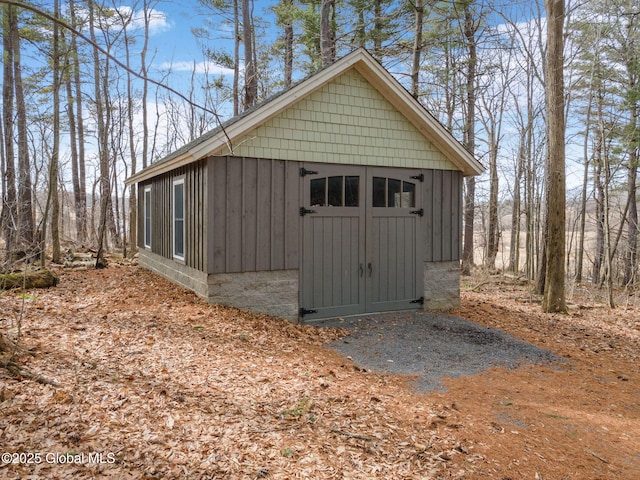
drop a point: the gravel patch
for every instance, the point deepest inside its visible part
(431, 346)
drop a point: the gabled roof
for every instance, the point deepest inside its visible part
(368, 67)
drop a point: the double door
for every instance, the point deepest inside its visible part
(360, 240)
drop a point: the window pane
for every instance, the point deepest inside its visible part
(408, 195)
(351, 191)
(379, 191)
(335, 191)
(147, 232)
(178, 219)
(178, 247)
(394, 193)
(147, 217)
(318, 198)
(178, 200)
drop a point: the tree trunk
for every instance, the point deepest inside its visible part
(514, 252)
(599, 250)
(531, 219)
(470, 29)
(417, 48)
(327, 40)
(583, 194)
(608, 252)
(360, 28)
(250, 77)
(34, 279)
(469, 215)
(9, 200)
(3, 183)
(554, 293)
(632, 224)
(236, 58)
(288, 46)
(145, 93)
(26, 229)
(56, 256)
(103, 142)
(133, 203)
(73, 147)
(632, 216)
(493, 233)
(377, 33)
(81, 214)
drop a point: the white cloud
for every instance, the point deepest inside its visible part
(207, 67)
(157, 20)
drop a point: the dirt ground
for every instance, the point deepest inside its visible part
(127, 376)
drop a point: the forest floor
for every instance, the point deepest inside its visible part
(127, 376)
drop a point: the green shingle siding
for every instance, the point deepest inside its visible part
(346, 121)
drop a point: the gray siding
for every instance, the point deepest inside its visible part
(255, 221)
(195, 205)
(255, 224)
(443, 215)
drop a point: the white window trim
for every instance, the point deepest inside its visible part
(147, 234)
(177, 181)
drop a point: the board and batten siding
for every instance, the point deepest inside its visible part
(255, 221)
(195, 211)
(443, 215)
(347, 121)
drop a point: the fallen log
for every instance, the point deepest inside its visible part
(32, 279)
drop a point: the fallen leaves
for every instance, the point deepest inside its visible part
(175, 388)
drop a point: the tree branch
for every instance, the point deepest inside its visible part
(48, 16)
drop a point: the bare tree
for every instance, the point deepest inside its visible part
(10, 196)
(493, 99)
(80, 194)
(145, 89)
(103, 140)
(470, 29)
(53, 197)
(133, 202)
(554, 291)
(26, 229)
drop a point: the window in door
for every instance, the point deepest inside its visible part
(337, 191)
(393, 193)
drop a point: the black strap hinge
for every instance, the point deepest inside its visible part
(418, 212)
(304, 171)
(418, 300)
(304, 311)
(304, 211)
(418, 177)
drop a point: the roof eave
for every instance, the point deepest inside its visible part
(159, 168)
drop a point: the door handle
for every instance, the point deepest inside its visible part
(370, 267)
(361, 270)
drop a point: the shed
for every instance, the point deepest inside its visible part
(340, 196)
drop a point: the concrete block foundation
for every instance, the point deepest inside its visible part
(441, 285)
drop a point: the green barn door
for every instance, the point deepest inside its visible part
(333, 229)
(360, 233)
(393, 221)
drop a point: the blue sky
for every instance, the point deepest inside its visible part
(172, 40)
(173, 46)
